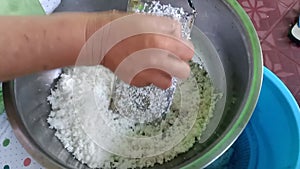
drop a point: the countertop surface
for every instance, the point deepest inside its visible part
(273, 20)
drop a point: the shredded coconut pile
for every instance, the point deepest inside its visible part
(80, 104)
(139, 128)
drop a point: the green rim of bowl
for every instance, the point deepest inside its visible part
(250, 104)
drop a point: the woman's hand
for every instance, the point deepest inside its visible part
(139, 49)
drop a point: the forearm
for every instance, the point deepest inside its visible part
(37, 43)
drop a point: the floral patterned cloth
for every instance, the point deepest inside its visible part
(273, 20)
(49, 5)
(12, 154)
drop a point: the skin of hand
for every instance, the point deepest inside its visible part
(117, 40)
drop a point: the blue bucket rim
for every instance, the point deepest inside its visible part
(290, 100)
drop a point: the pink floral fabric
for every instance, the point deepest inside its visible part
(273, 20)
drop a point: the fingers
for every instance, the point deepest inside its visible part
(181, 48)
(104, 31)
(115, 42)
(125, 48)
(159, 78)
(152, 76)
(152, 24)
(152, 66)
(142, 52)
(170, 64)
(166, 26)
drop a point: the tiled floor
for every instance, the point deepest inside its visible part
(273, 20)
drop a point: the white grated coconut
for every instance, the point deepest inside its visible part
(77, 108)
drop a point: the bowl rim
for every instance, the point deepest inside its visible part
(272, 83)
(254, 91)
(20, 130)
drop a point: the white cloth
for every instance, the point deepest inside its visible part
(12, 153)
(49, 5)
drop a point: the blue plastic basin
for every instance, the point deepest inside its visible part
(271, 139)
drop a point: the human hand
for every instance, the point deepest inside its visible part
(140, 49)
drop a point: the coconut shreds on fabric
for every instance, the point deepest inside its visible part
(98, 135)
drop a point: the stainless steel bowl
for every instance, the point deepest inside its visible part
(237, 50)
